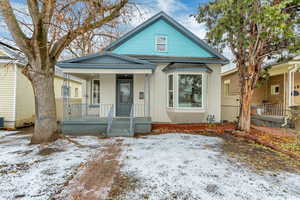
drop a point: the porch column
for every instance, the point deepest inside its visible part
(147, 96)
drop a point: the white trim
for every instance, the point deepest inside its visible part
(15, 94)
(7, 61)
(166, 43)
(202, 92)
(92, 92)
(108, 71)
(291, 84)
(176, 107)
(273, 89)
(168, 91)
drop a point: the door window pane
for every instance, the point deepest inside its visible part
(190, 90)
(125, 93)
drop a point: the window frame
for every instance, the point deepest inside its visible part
(202, 90)
(157, 43)
(92, 95)
(173, 91)
(63, 88)
(227, 83)
(76, 92)
(275, 93)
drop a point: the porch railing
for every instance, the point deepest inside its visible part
(271, 109)
(110, 118)
(131, 125)
(101, 111)
(86, 111)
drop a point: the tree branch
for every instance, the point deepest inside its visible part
(14, 28)
(72, 34)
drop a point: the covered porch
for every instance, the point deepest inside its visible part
(116, 96)
(278, 95)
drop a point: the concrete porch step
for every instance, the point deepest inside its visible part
(120, 128)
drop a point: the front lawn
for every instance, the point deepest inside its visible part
(39, 171)
(162, 166)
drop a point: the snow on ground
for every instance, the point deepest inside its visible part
(34, 172)
(179, 166)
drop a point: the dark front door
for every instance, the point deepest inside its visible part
(124, 96)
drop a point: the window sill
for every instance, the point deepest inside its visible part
(187, 110)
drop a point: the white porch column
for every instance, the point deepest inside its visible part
(147, 96)
(291, 78)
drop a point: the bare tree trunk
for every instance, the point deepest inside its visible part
(249, 75)
(245, 103)
(45, 129)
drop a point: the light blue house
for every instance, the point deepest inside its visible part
(159, 72)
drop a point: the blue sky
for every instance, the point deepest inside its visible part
(178, 9)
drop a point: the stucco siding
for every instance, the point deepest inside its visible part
(214, 92)
(138, 87)
(7, 94)
(158, 95)
(25, 107)
(211, 98)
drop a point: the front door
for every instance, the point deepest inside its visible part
(124, 96)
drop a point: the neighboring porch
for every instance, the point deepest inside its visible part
(275, 98)
(116, 99)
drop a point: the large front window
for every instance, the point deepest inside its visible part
(190, 90)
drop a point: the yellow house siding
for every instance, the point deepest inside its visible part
(58, 83)
(2, 53)
(230, 102)
(7, 91)
(25, 108)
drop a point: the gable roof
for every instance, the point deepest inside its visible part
(176, 25)
(106, 60)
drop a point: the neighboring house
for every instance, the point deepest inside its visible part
(273, 98)
(16, 93)
(157, 73)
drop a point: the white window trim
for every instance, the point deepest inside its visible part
(176, 107)
(275, 93)
(227, 82)
(156, 43)
(172, 74)
(63, 87)
(76, 92)
(92, 95)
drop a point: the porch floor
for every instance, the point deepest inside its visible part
(99, 126)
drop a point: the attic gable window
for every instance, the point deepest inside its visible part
(161, 43)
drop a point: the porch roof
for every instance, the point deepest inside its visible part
(106, 62)
(186, 67)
